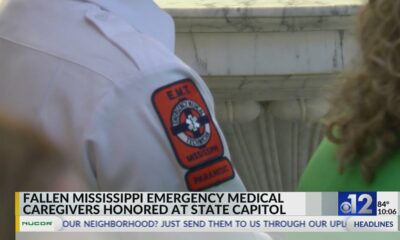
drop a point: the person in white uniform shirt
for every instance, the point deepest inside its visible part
(100, 78)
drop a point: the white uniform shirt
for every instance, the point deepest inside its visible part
(100, 78)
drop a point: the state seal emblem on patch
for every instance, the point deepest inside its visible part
(188, 123)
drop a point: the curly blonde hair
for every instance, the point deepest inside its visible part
(364, 119)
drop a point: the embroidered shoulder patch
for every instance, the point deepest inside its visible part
(188, 124)
(210, 175)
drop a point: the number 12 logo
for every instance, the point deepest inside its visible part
(357, 204)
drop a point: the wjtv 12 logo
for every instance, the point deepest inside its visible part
(357, 204)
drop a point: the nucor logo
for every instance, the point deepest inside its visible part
(36, 223)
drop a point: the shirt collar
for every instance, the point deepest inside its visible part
(145, 16)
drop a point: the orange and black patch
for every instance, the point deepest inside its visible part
(188, 123)
(210, 175)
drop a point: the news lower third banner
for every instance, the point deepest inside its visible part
(207, 212)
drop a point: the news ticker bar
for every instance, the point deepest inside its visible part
(209, 224)
(208, 212)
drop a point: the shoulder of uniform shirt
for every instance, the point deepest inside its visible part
(64, 60)
(69, 37)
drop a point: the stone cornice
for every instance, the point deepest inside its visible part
(259, 8)
(270, 88)
(261, 15)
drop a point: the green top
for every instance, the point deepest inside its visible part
(322, 173)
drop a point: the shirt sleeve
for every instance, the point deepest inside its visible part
(158, 132)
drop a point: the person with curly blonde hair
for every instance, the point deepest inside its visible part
(362, 149)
